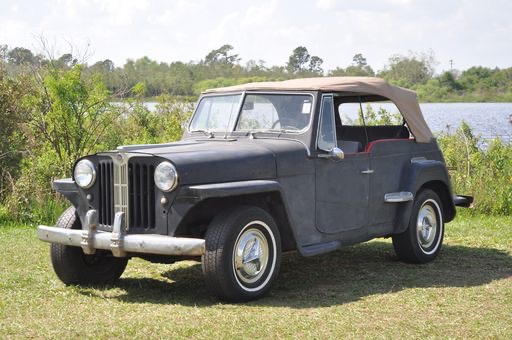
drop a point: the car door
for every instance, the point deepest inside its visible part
(388, 157)
(342, 186)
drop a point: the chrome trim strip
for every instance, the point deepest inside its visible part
(397, 197)
(418, 159)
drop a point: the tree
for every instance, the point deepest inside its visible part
(315, 65)
(298, 60)
(448, 80)
(409, 71)
(4, 50)
(301, 62)
(66, 61)
(12, 143)
(20, 55)
(69, 114)
(359, 68)
(221, 56)
(359, 60)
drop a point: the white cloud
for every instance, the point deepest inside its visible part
(470, 32)
(325, 4)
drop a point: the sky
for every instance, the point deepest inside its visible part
(468, 32)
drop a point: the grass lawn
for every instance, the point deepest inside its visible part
(360, 291)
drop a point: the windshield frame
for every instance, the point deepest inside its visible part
(232, 126)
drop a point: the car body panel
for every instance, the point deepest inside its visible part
(326, 203)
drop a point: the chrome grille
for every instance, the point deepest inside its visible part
(126, 184)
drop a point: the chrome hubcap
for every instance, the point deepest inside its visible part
(426, 226)
(250, 255)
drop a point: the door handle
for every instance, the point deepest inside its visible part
(367, 172)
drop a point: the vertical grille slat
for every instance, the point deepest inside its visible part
(110, 207)
(142, 181)
(151, 196)
(108, 200)
(136, 193)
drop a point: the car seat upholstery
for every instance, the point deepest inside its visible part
(350, 146)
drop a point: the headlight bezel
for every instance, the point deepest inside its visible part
(93, 173)
(158, 171)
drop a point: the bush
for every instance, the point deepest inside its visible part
(480, 168)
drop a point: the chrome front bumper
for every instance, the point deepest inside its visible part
(120, 243)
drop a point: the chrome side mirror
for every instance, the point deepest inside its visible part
(336, 154)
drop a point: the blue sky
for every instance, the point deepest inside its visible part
(469, 32)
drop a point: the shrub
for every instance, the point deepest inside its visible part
(480, 168)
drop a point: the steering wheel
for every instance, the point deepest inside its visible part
(285, 127)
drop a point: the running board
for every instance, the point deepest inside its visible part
(320, 248)
(398, 197)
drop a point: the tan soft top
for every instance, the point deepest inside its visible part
(405, 100)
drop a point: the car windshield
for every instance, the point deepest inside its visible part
(288, 112)
(215, 113)
(260, 112)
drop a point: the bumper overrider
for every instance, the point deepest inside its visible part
(90, 239)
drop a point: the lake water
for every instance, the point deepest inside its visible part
(488, 120)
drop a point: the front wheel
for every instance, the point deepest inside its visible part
(73, 266)
(422, 240)
(243, 254)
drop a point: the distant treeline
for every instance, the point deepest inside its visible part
(55, 110)
(223, 67)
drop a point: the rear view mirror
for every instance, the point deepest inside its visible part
(248, 105)
(336, 154)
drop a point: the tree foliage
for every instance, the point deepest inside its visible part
(409, 71)
(69, 113)
(12, 116)
(301, 62)
(359, 68)
(54, 110)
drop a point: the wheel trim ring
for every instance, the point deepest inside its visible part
(435, 232)
(272, 250)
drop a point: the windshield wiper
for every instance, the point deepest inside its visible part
(252, 134)
(206, 132)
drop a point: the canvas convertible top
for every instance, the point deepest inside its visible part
(405, 100)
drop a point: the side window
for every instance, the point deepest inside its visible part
(369, 121)
(375, 114)
(326, 139)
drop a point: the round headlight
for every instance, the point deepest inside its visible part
(166, 177)
(84, 173)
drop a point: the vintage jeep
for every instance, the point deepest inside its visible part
(263, 168)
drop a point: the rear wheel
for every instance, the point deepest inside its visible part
(73, 266)
(243, 254)
(422, 240)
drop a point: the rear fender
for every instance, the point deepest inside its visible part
(430, 174)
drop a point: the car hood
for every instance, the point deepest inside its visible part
(222, 160)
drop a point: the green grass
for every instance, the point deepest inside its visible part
(360, 291)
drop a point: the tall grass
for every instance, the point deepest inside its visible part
(481, 168)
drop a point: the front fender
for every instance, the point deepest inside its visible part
(200, 203)
(427, 173)
(69, 189)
